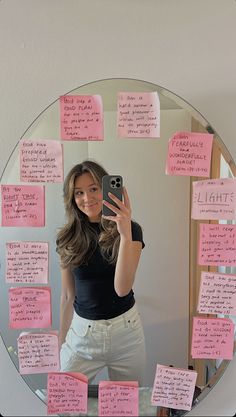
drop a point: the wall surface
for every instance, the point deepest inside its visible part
(47, 48)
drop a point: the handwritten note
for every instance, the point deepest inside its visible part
(30, 307)
(23, 205)
(212, 338)
(118, 398)
(214, 199)
(67, 393)
(38, 353)
(138, 115)
(81, 117)
(217, 294)
(217, 244)
(173, 387)
(189, 153)
(27, 262)
(41, 161)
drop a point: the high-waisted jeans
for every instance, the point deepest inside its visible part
(117, 343)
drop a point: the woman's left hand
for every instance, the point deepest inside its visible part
(123, 214)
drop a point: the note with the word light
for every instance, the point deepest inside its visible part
(214, 199)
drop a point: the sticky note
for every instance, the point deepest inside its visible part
(138, 115)
(173, 387)
(81, 117)
(189, 153)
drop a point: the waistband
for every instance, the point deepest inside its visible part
(128, 315)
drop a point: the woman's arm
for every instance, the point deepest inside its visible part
(126, 266)
(129, 251)
(66, 303)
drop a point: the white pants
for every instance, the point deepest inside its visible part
(117, 343)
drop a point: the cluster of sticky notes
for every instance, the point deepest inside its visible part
(213, 338)
(67, 392)
(189, 153)
(138, 116)
(173, 387)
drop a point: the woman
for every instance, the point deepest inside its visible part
(99, 322)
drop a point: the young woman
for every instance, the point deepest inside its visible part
(99, 322)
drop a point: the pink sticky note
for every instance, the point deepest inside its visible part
(217, 244)
(217, 294)
(38, 353)
(212, 338)
(173, 387)
(41, 161)
(81, 117)
(27, 262)
(23, 205)
(67, 393)
(138, 115)
(118, 398)
(30, 307)
(189, 153)
(214, 199)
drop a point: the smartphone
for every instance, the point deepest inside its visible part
(114, 185)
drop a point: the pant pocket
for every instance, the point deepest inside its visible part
(78, 336)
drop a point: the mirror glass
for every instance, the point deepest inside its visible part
(160, 204)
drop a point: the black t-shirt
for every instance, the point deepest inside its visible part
(95, 296)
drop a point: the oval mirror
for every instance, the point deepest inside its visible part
(167, 282)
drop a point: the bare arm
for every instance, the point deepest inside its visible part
(126, 266)
(129, 251)
(66, 303)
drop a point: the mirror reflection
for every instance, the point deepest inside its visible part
(167, 278)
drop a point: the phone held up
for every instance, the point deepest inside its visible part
(114, 185)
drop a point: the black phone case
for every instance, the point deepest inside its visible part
(113, 184)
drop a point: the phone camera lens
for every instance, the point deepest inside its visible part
(118, 179)
(113, 182)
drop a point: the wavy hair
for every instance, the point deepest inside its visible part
(76, 241)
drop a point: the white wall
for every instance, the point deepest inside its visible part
(50, 47)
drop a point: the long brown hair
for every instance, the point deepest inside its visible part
(77, 240)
